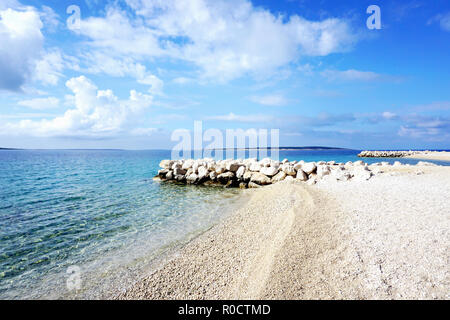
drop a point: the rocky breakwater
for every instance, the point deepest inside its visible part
(251, 173)
(388, 154)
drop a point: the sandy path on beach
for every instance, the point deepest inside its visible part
(383, 238)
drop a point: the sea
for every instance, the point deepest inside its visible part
(86, 224)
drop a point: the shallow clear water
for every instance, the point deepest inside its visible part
(100, 210)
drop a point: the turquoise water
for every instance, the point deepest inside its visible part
(100, 210)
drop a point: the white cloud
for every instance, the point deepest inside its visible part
(40, 103)
(270, 100)
(21, 44)
(444, 21)
(351, 75)
(225, 39)
(96, 113)
(100, 62)
(388, 115)
(241, 118)
(49, 17)
(49, 68)
(182, 80)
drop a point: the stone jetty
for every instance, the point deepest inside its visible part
(251, 173)
(388, 154)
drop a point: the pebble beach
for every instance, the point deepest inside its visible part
(377, 235)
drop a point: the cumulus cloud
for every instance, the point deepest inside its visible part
(225, 39)
(100, 62)
(21, 44)
(96, 113)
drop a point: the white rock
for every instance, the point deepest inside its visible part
(240, 172)
(202, 172)
(192, 178)
(269, 171)
(260, 178)
(279, 177)
(288, 169)
(309, 167)
(301, 175)
(323, 170)
(255, 167)
(188, 164)
(166, 164)
(220, 169)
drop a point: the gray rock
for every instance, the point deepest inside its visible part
(178, 171)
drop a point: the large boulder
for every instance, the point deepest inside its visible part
(247, 176)
(166, 164)
(187, 164)
(169, 175)
(192, 178)
(202, 172)
(225, 177)
(301, 175)
(265, 162)
(240, 172)
(323, 170)
(289, 169)
(279, 177)
(260, 178)
(176, 165)
(213, 175)
(255, 167)
(269, 171)
(232, 166)
(220, 169)
(178, 171)
(309, 167)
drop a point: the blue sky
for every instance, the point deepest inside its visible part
(132, 71)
